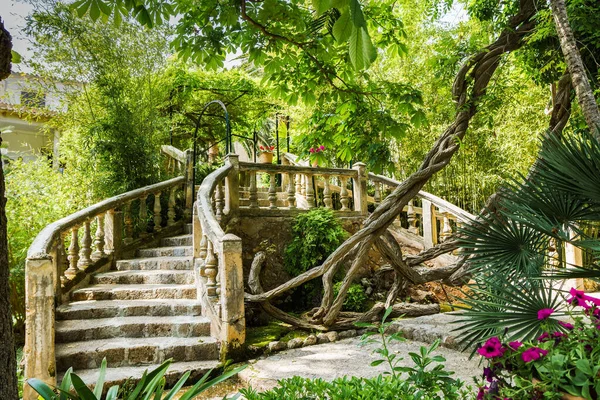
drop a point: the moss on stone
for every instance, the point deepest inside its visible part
(261, 336)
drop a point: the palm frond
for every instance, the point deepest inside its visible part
(572, 165)
(503, 246)
(507, 309)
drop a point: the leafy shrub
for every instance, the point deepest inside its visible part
(152, 385)
(36, 195)
(317, 234)
(355, 299)
(564, 359)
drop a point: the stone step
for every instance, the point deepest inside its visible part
(171, 251)
(188, 228)
(120, 352)
(119, 375)
(133, 327)
(151, 263)
(134, 292)
(133, 277)
(93, 309)
(181, 240)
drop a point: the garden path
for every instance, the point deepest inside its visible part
(345, 357)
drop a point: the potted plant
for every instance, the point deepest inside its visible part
(265, 154)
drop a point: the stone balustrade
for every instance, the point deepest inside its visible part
(428, 216)
(218, 258)
(65, 254)
(181, 163)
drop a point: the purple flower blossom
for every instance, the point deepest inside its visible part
(322, 148)
(532, 354)
(545, 313)
(492, 348)
(515, 345)
(543, 337)
(488, 374)
(566, 325)
(312, 150)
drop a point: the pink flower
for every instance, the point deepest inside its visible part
(481, 393)
(492, 348)
(322, 148)
(515, 345)
(558, 335)
(312, 150)
(566, 325)
(262, 148)
(543, 337)
(533, 354)
(545, 313)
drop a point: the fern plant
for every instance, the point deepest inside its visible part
(518, 252)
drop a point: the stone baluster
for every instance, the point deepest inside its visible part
(304, 185)
(446, 228)
(157, 210)
(412, 218)
(73, 254)
(128, 223)
(171, 207)
(64, 261)
(344, 193)
(203, 251)
(253, 195)
(210, 270)
(219, 202)
(86, 246)
(272, 191)
(299, 184)
(291, 193)
(99, 239)
(143, 216)
(310, 192)
(377, 195)
(429, 224)
(327, 199)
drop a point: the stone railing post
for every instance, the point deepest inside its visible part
(113, 234)
(233, 324)
(573, 257)
(360, 188)
(40, 360)
(197, 236)
(189, 184)
(429, 224)
(232, 185)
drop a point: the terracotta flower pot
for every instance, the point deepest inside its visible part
(265, 158)
(565, 396)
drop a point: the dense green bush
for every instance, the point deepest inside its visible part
(317, 234)
(36, 195)
(355, 299)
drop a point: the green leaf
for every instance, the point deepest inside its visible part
(16, 57)
(81, 389)
(65, 385)
(100, 382)
(112, 393)
(321, 6)
(361, 50)
(42, 388)
(376, 363)
(178, 386)
(342, 29)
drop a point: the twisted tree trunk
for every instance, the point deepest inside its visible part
(469, 86)
(8, 363)
(585, 95)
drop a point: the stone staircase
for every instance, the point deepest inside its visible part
(137, 317)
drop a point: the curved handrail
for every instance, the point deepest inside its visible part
(461, 215)
(210, 224)
(42, 244)
(173, 152)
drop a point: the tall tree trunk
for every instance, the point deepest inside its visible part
(583, 90)
(8, 362)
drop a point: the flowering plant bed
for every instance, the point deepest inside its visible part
(562, 363)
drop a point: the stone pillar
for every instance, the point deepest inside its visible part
(573, 257)
(189, 184)
(360, 189)
(113, 234)
(232, 185)
(40, 361)
(429, 224)
(233, 324)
